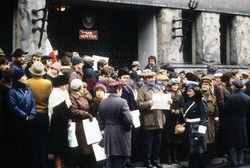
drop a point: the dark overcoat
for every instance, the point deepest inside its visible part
(235, 109)
(58, 134)
(116, 121)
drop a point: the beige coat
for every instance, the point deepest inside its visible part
(151, 119)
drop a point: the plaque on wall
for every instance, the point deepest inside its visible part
(88, 34)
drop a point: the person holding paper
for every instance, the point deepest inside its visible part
(195, 113)
(116, 122)
(79, 111)
(152, 121)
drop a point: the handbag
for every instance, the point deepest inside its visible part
(179, 128)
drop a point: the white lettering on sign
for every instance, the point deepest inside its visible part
(88, 34)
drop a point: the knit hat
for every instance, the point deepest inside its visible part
(76, 60)
(8, 74)
(206, 79)
(238, 84)
(1, 52)
(76, 84)
(60, 80)
(100, 87)
(173, 81)
(37, 69)
(56, 66)
(17, 75)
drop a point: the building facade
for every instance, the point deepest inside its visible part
(128, 30)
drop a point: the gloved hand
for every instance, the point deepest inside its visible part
(30, 118)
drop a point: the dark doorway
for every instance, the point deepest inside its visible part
(117, 33)
(6, 22)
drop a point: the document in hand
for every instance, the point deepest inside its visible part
(92, 131)
(136, 118)
(99, 152)
(161, 101)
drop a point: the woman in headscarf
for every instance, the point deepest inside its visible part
(59, 104)
(196, 123)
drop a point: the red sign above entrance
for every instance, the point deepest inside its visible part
(88, 34)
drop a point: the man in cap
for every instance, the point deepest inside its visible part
(152, 121)
(41, 89)
(47, 61)
(236, 108)
(212, 112)
(169, 70)
(135, 67)
(34, 58)
(19, 58)
(116, 122)
(89, 73)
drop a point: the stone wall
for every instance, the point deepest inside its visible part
(167, 47)
(24, 38)
(207, 38)
(240, 40)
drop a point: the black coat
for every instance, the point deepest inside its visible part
(236, 109)
(128, 95)
(58, 135)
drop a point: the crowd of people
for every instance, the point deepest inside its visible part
(39, 100)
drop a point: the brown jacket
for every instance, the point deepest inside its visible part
(151, 119)
(79, 111)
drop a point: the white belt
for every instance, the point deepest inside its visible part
(193, 120)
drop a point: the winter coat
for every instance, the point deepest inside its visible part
(116, 121)
(128, 95)
(79, 111)
(212, 112)
(22, 104)
(236, 109)
(196, 141)
(58, 134)
(151, 119)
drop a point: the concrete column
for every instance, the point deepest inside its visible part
(24, 38)
(168, 48)
(147, 36)
(208, 38)
(240, 40)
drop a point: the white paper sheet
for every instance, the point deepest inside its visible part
(99, 152)
(92, 131)
(136, 118)
(72, 136)
(96, 59)
(161, 101)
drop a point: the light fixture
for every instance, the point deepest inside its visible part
(61, 8)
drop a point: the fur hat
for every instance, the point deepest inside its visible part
(173, 81)
(17, 75)
(37, 69)
(76, 60)
(60, 80)
(206, 79)
(238, 84)
(18, 52)
(76, 84)
(123, 71)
